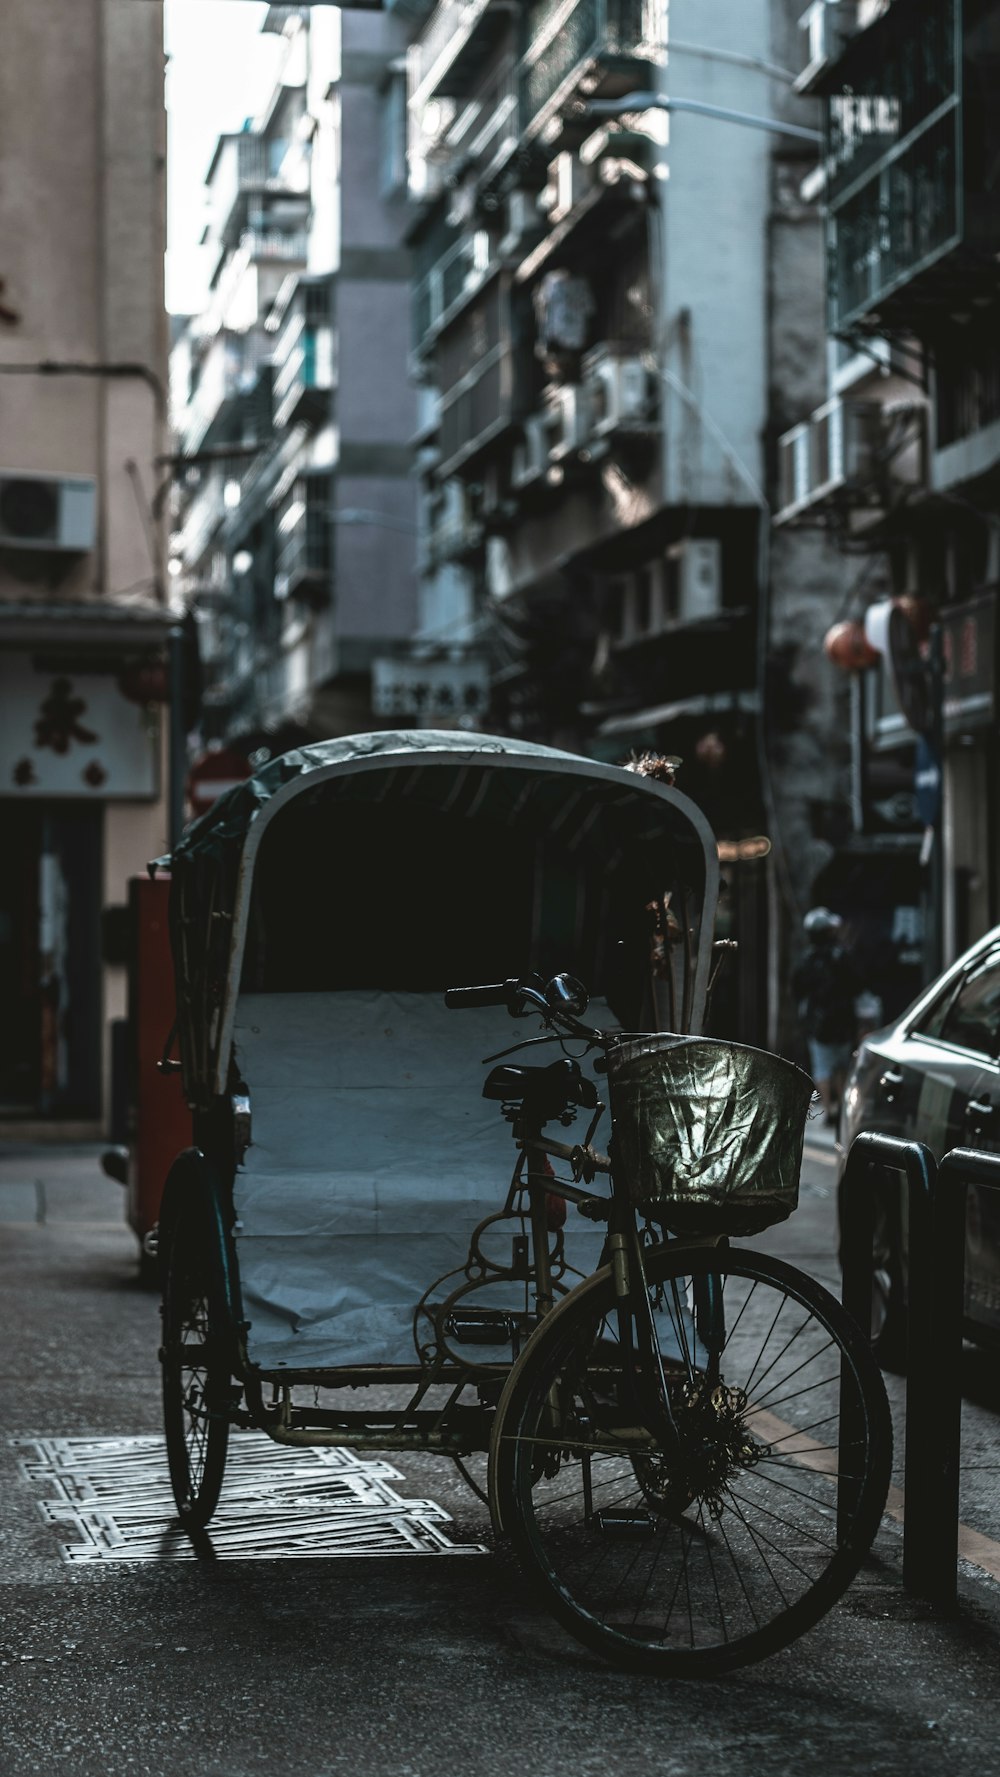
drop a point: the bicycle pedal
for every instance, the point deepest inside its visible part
(625, 1524)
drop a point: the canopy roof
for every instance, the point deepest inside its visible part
(300, 876)
(229, 819)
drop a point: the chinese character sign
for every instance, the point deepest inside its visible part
(69, 733)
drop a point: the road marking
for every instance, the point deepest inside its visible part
(113, 1496)
(979, 1550)
(822, 1154)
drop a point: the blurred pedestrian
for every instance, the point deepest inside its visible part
(827, 990)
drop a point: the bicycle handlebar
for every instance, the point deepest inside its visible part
(521, 995)
(497, 993)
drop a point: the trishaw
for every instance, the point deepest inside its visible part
(380, 947)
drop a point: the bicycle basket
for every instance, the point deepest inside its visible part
(707, 1135)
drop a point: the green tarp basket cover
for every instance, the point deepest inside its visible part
(706, 1135)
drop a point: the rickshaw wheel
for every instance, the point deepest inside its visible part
(196, 1374)
(693, 1559)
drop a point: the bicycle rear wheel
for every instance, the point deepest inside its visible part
(196, 1373)
(695, 1560)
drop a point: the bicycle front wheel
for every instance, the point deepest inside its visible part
(691, 1555)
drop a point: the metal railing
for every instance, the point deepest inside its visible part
(448, 31)
(935, 1199)
(564, 35)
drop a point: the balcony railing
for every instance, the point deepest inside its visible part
(913, 226)
(567, 38)
(304, 383)
(451, 280)
(479, 135)
(203, 519)
(229, 368)
(303, 555)
(896, 225)
(440, 61)
(482, 375)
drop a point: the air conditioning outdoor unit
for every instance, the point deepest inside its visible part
(53, 512)
(569, 181)
(531, 456)
(699, 579)
(844, 441)
(826, 26)
(569, 416)
(619, 393)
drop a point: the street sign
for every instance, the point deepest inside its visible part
(212, 774)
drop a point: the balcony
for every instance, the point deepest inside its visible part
(303, 556)
(483, 378)
(459, 36)
(604, 46)
(456, 269)
(228, 369)
(479, 136)
(912, 136)
(304, 383)
(203, 519)
(256, 246)
(304, 356)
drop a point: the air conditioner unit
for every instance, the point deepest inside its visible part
(619, 393)
(836, 454)
(826, 26)
(568, 183)
(568, 421)
(844, 441)
(793, 470)
(531, 456)
(53, 512)
(699, 579)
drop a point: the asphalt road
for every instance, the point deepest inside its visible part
(436, 1666)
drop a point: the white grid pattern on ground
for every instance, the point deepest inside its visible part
(277, 1503)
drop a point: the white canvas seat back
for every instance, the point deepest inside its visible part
(374, 1156)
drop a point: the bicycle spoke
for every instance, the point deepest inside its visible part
(700, 1545)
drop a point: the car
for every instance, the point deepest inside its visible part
(933, 1076)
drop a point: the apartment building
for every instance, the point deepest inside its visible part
(83, 615)
(901, 462)
(295, 530)
(617, 307)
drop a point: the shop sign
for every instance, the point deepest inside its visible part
(70, 733)
(438, 693)
(969, 636)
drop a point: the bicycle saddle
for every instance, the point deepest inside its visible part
(543, 1089)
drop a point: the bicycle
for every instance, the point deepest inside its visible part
(691, 1456)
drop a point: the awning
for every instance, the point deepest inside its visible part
(710, 703)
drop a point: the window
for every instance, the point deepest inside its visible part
(972, 1016)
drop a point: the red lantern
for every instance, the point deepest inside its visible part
(848, 647)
